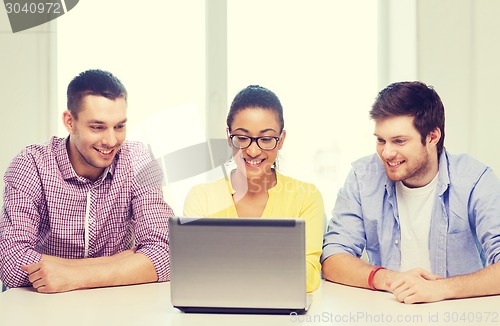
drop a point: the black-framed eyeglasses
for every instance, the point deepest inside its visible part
(264, 142)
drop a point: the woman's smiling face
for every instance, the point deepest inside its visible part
(253, 161)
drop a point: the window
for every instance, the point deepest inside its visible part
(319, 57)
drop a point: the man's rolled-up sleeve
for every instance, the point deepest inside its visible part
(150, 216)
(345, 232)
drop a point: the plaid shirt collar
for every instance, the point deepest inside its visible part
(67, 170)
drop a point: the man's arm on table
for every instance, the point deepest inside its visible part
(349, 270)
(416, 285)
(54, 274)
(481, 283)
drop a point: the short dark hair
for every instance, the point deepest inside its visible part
(255, 96)
(93, 82)
(414, 99)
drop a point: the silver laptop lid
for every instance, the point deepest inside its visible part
(238, 263)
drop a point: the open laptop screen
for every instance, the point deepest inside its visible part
(238, 264)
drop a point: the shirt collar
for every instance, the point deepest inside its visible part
(66, 168)
(444, 174)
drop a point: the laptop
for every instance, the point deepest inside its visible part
(238, 265)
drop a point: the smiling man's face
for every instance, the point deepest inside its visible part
(96, 134)
(400, 148)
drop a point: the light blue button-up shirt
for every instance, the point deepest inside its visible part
(465, 224)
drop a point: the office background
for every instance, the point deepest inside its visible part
(183, 61)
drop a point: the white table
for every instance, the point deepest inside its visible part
(149, 304)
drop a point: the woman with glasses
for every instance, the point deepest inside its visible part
(255, 188)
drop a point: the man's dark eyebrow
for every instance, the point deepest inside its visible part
(395, 137)
(99, 122)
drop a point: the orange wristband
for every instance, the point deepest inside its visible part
(372, 275)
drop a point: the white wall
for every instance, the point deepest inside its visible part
(450, 44)
(397, 41)
(453, 46)
(27, 89)
(459, 53)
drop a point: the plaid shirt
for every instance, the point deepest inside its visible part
(47, 211)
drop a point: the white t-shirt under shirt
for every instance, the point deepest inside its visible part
(415, 211)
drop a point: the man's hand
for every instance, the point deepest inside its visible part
(48, 276)
(417, 285)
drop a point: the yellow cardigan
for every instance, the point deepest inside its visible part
(289, 198)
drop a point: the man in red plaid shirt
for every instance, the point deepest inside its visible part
(87, 210)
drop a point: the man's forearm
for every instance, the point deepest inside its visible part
(53, 274)
(481, 283)
(350, 270)
(353, 271)
(88, 261)
(133, 268)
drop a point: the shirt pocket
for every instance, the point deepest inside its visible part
(462, 255)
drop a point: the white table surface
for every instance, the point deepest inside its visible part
(149, 304)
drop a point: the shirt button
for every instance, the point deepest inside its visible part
(396, 242)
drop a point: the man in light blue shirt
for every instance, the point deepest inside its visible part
(428, 220)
